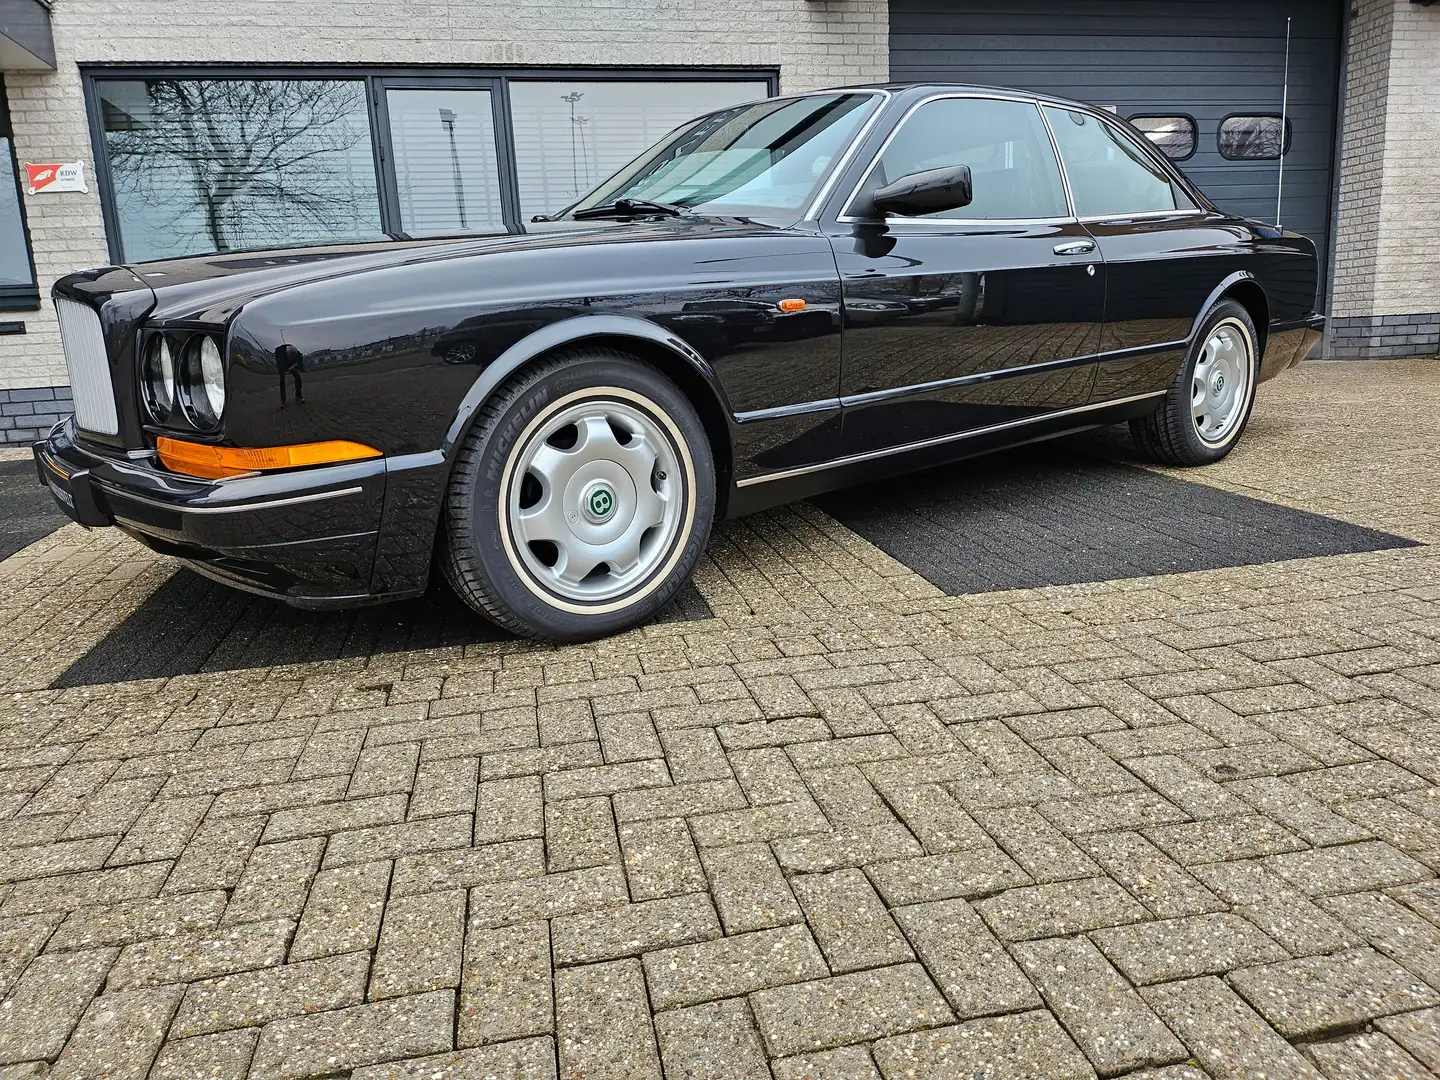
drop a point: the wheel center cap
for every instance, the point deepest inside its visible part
(1218, 384)
(597, 502)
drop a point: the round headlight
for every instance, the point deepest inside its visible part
(202, 382)
(159, 378)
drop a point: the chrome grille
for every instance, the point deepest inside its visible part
(89, 367)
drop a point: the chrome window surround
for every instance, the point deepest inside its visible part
(1039, 103)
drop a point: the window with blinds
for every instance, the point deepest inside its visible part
(447, 170)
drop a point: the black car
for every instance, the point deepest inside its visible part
(779, 299)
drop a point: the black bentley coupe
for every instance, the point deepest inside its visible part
(778, 299)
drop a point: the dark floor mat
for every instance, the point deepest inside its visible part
(1051, 516)
(192, 624)
(27, 510)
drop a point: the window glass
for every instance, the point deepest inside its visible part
(1252, 137)
(761, 158)
(1173, 136)
(445, 161)
(1109, 173)
(569, 136)
(202, 165)
(1012, 164)
(15, 272)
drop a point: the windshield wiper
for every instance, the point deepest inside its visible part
(629, 208)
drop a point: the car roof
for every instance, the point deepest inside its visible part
(941, 87)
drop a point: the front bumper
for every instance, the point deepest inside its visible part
(305, 536)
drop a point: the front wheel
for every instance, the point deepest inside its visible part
(1208, 405)
(581, 498)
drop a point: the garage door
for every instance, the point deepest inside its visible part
(1218, 62)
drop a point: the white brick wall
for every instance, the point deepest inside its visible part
(813, 43)
(1388, 236)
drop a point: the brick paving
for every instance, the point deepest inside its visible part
(1165, 828)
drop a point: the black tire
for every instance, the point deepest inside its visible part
(1170, 435)
(479, 550)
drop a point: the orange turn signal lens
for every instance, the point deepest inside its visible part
(791, 305)
(215, 462)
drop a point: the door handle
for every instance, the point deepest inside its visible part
(1075, 247)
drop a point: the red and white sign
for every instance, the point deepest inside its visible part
(55, 177)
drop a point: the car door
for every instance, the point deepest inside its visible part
(1164, 256)
(972, 318)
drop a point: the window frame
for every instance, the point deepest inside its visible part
(1194, 131)
(378, 79)
(847, 217)
(18, 297)
(1177, 179)
(1287, 140)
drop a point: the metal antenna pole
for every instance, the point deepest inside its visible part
(1284, 124)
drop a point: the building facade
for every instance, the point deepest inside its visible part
(201, 127)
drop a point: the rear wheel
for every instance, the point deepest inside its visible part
(581, 498)
(1208, 406)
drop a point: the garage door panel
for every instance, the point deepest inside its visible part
(1208, 59)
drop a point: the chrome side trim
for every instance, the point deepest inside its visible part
(940, 440)
(1143, 215)
(850, 151)
(780, 411)
(240, 508)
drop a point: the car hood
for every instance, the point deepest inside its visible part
(210, 288)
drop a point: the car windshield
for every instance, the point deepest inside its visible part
(752, 159)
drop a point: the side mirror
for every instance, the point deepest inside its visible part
(928, 192)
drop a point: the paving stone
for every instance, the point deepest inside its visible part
(971, 873)
(467, 867)
(335, 817)
(272, 797)
(606, 779)
(421, 940)
(254, 998)
(1277, 908)
(936, 819)
(224, 1056)
(715, 1041)
(1171, 949)
(580, 833)
(1417, 1032)
(695, 754)
(391, 841)
(138, 920)
(1311, 820)
(1108, 1021)
(1098, 813)
(603, 1025)
(1422, 897)
(509, 809)
(1148, 874)
(508, 902)
(701, 797)
(21, 939)
(1417, 836)
(275, 882)
(820, 851)
(118, 1035)
(74, 891)
(848, 1009)
(1187, 787)
(1364, 1057)
(846, 798)
(343, 911)
(324, 1043)
(1362, 780)
(772, 732)
(47, 860)
(384, 770)
(845, 1063)
(1025, 1046)
(524, 1059)
(1067, 907)
(446, 786)
(731, 966)
(660, 859)
(1321, 993)
(750, 891)
(505, 988)
(970, 966)
(633, 929)
(1224, 840)
(1392, 928)
(216, 856)
(201, 954)
(767, 776)
(1042, 851)
(1348, 868)
(1087, 767)
(849, 921)
(47, 1001)
(1227, 1037)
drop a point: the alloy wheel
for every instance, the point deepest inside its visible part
(1220, 386)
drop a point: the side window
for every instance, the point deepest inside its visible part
(1109, 174)
(1173, 136)
(1012, 163)
(1252, 138)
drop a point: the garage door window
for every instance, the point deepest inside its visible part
(1252, 138)
(1012, 164)
(1173, 136)
(1110, 175)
